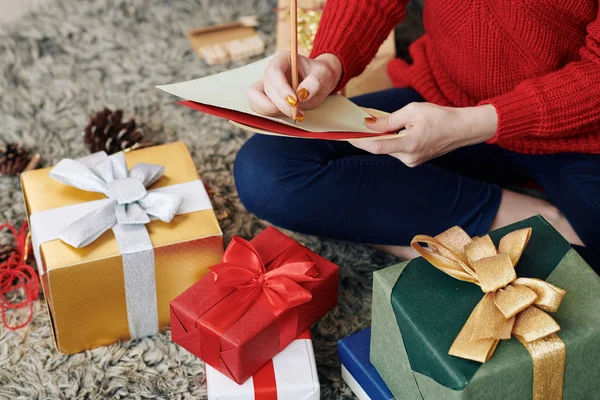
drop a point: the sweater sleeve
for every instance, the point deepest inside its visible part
(353, 30)
(562, 103)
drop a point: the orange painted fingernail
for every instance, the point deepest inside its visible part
(370, 120)
(303, 94)
(300, 118)
(291, 100)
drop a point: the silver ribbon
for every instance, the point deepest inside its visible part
(130, 208)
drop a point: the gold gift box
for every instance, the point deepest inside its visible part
(375, 76)
(84, 288)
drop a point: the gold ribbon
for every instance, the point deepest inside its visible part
(308, 23)
(511, 306)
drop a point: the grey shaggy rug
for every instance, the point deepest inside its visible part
(68, 60)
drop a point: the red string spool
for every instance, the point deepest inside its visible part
(16, 275)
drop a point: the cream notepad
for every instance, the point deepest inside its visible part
(224, 95)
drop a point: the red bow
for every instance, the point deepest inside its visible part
(243, 269)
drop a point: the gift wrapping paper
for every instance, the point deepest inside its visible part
(85, 287)
(291, 375)
(264, 294)
(357, 371)
(375, 76)
(418, 312)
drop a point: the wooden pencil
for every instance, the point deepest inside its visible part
(294, 52)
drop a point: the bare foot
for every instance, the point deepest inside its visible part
(515, 207)
(404, 252)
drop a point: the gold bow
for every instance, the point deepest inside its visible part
(308, 23)
(510, 306)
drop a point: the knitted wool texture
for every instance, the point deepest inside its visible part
(537, 62)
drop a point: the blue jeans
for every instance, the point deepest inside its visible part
(332, 189)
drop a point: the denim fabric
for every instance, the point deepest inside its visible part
(333, 189)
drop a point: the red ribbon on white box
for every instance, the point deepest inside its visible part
(292, 374)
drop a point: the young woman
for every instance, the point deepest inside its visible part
(500, 93)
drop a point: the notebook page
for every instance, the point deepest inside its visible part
(228, 90)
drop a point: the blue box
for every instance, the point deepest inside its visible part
(357, 371)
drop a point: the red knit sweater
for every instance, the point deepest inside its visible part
(537, 62)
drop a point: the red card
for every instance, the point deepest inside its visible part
(273, 126)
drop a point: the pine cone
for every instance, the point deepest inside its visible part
(13, 159)
(107, 132)
(5, 252)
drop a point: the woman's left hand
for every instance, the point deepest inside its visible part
(430, 131)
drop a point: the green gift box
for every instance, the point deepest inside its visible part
(418, 312)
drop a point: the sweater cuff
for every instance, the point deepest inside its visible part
(518, 113)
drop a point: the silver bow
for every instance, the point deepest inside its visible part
(131, 204)
(130, 207)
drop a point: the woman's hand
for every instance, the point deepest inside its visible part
(431, 131)
(273, 94)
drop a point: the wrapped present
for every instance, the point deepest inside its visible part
(373, 78)
(256, 302)
(291, 375)
(357, 371)
(101, 286)
(458, 323)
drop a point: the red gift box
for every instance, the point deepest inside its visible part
(264, 295)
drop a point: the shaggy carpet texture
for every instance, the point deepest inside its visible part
(68, 60)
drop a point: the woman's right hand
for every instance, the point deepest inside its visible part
(273, 94)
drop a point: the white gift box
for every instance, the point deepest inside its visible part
(353, 384)
(291, 375)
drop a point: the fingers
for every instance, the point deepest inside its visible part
(317, 84)
(309, 89)
(393, 122)
(276, 83)
(312, 84)
(398, 148)
(384, 146)
(259, 101)
(281, 104)
(390, 123)
(319, 80)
